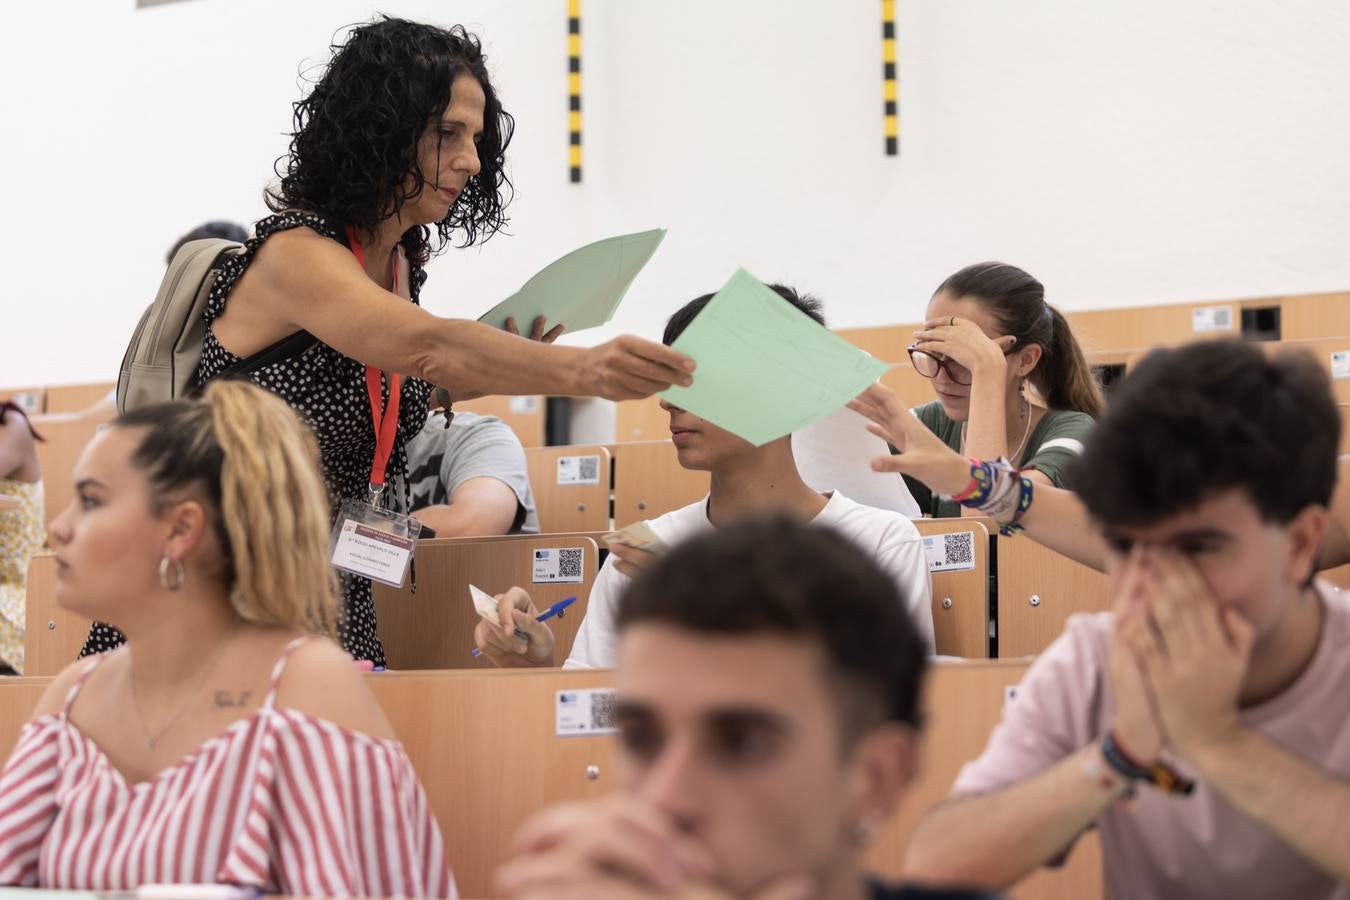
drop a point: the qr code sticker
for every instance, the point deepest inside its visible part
(960, 548)
(559, 565)
(584, 712)
(602, 710)
(953, 552)
(569, 563)
(578, 470)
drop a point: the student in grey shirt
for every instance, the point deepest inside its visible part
(470, 478)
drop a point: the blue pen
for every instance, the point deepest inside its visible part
(554, 610)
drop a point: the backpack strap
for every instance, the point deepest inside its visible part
(284, 349)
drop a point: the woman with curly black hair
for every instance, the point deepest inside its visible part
(403, 133)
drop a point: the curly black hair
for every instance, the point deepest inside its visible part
(356, 134)
(1212, 416)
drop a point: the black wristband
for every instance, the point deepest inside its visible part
(1160, 775)
(1120, 762)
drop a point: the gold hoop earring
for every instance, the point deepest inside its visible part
(179, 574)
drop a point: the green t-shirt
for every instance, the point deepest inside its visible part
(1057, 438)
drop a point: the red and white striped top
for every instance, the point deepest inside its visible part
(281, 801)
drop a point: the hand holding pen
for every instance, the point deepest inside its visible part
(518, 637)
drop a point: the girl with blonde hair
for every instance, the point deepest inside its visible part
(229, 740)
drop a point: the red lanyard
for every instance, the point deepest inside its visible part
(383, 416)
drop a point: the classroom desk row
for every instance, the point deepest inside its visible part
(486, 772)
(1010, 607)
(431, 626)
(1105, 334)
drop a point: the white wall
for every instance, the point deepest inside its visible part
(1125, 152)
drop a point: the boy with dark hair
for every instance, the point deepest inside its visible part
(746, 481)
(1203, 726)
(768, 691)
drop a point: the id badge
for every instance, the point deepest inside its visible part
(374, 543)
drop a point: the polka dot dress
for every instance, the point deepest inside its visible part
(329, 391)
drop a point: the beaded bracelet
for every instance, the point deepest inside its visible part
(998, 490)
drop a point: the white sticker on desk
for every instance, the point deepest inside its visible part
(585, 711)
(1212, 318)
(1340, 364)
(559, 565)
(953, 552)
(578, 470)
(521, 405)
(28, 401)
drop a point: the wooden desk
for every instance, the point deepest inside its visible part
(1038, 589)
(433, 629)
(76, 398)
(961, 598)
(564, 501)
(524, 415)
(649, 481)
(641, 420)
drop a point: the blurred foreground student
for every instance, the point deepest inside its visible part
(229, 739)
(1203, 726)
(768, 722)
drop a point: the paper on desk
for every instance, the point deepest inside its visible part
(582, 289)
(764, 367)
(836, 453)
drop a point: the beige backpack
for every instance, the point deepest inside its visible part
(167, 345)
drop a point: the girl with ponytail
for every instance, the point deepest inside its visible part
(989, 332)
(225, 740)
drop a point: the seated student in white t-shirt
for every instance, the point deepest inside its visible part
(746, 480)
(469, 477)
(1222, 663)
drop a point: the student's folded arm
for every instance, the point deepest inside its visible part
(1031, 793)
(1307, 807)
(479, 506)
(1007, 834)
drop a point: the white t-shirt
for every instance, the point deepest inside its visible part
(890, 538)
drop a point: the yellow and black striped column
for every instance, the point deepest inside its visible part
(574, 88)
(890, 93)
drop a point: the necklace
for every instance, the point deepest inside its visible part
(151, 738)
(1026, 432)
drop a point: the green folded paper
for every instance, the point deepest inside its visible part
(582, 289)
(765, 368)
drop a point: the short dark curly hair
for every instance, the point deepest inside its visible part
(774, 576)
(1208, 417)
(678, 322)
(356, 134)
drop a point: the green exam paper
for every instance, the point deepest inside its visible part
(765, 368)
(582, 289)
